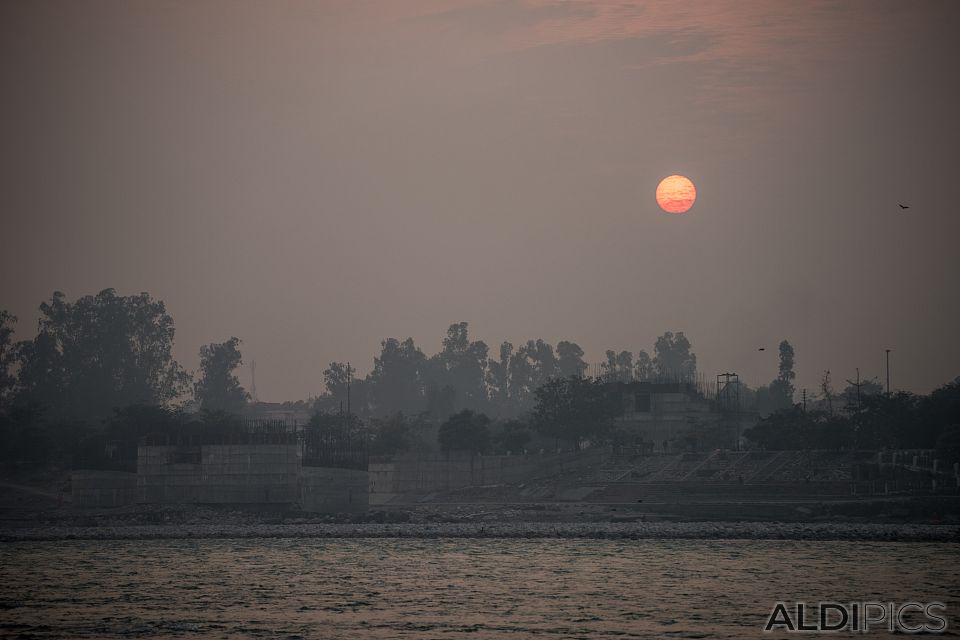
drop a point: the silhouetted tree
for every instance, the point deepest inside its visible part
(543, 361)
(763, 401)
(792, 428)
(462, 365)
(7, 356)
(498, 378)
(392, 434)
(441, 401)
(574, 409)
(643, 368)
(99, 353)
(673, 358)
(948, 445)
(24, 438)
(570, 359)
(853, 399)
(465, 431)
(618, 367)
(891, 421)
(397, 378)
(781, 389)
(336, 377)
(218, 389)
(218, 425)
(131, 423)
(938, 412)
(514, 436)
(521, 380)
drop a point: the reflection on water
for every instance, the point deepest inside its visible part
(381, 588)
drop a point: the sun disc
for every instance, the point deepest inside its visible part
(676, 194)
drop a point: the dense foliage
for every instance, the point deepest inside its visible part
(574, 409)
(873, 420)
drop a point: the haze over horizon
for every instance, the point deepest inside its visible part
(314, 178)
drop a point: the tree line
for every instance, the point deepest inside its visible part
(869, 419)
(464, 375)
(103, 365)
(103, 361)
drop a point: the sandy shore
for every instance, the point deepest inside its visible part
(594, 530)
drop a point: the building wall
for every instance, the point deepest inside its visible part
(327, 490)
(103, 488)
(662, 414)
(259, 474)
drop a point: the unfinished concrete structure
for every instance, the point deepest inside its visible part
(664, 417)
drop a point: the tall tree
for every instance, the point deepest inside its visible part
(465, 431)
(574, 409)
(855, 393)
(618, 367)
(7, 355)
(218, 389)
(99, 353)
(543, 361)
(498, 378)
(337, 377)
(570, 359)
(441, 401)
(513, 437)
(397, 378)
(673, 358)
(391, 434)
(521, 380)
(643, 367)
(462, 365)
(781, 389)
(533, 364)
(940, 410)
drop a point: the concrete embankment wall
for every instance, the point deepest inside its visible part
(223, 474)
(327, 490)
(103, 488)
(717, 492)
(413, 473)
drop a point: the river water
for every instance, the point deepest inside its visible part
(482, 588)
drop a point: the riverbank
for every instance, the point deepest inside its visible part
(592, 530)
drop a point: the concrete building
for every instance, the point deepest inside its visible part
(292, 414)
(218, 474)
(270, 473)
(667, 417)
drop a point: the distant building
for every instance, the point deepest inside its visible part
(298, 413)
(667, 417)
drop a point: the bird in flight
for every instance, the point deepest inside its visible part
(904, 206)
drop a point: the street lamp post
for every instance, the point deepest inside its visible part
(888, 371)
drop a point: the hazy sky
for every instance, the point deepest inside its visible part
(313, 177)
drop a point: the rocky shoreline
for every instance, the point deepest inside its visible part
(533, 530)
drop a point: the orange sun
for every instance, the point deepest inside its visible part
(676, 194)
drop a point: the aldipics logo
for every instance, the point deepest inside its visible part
(909, 617)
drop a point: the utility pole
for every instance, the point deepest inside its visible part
(253, 381)
(888, 371)
(858, 391)
(857, 385)
(349, 380)
(804, 400)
